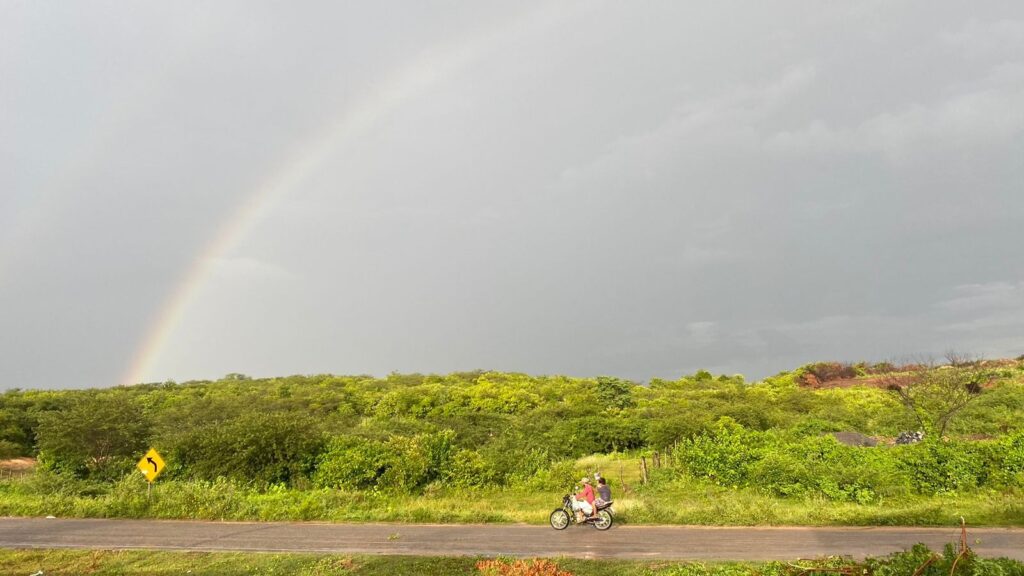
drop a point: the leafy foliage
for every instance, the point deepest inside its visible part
(96, 434)
(413, 432)
(615, 392)
(402, 463)
(259, 448)
(783, 465)
(921, 561)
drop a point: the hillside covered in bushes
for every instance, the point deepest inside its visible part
(481, 431)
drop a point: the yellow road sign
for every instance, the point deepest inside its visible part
(151, 465)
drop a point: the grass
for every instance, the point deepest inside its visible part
(138, 563)
(676, 502)
(665, 501)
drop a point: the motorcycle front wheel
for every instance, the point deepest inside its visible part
(604, 520)
(559, 519)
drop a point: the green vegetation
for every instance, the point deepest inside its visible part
(499, 447)
(791, 463)
(137, 562)
(675, 502)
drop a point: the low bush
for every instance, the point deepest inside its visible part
(920, 561)
(937, 467)
(400, 463)
(352, 462)
(787, 465)
(723, 455)
(259, 448)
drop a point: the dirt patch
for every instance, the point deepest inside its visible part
(18, 464)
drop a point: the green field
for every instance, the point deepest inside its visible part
(499, 447)
(138, 563)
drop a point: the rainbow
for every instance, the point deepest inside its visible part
(344, 130)
(300, 164)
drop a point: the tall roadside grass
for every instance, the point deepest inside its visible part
(151, 563)
(664, 501)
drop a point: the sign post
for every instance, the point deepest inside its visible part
(151, 465)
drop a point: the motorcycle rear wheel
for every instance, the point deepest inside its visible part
(559, 519)
(604, 520)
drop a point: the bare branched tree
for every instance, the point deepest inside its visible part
(960, 359)
(935, 394)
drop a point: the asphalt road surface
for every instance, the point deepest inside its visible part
(637, 542)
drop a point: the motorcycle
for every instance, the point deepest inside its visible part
(561, 518)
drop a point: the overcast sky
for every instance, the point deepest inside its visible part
(636, 189)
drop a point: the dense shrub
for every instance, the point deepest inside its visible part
(557, 476)
(780, 473)
(508, 461)
(259, 448)
(667, 431)
(596, 434)
(723, 455)
(794, 465)
(1012, 470)
(15, 433)
(937, 467)
(921, 561)
(615, 392)
(98, 435)
(400, 463)
(467, 468)
(352, 462)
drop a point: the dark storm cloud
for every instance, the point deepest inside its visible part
(582, 188)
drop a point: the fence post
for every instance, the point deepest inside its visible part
(643, 470)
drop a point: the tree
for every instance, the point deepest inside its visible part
(95, 434)
(13, 439)
(615, 392)
(934, 395)
(258, 447)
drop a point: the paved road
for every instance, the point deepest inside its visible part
(651, 542)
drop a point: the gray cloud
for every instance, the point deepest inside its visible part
(581, 187)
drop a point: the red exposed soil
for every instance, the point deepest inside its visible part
(810, 381)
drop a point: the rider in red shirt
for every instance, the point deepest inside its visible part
(585, 499)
